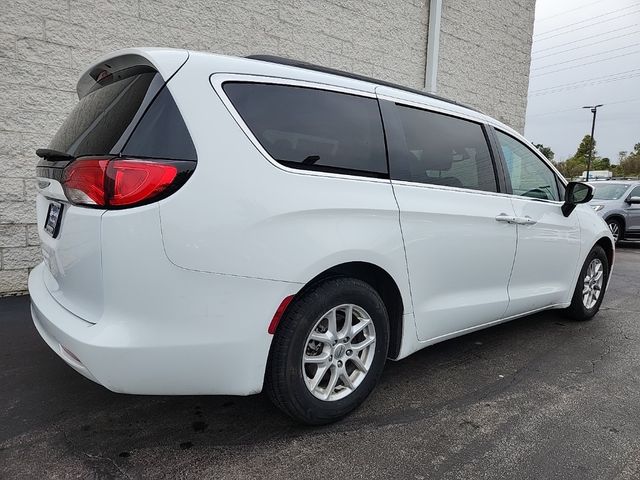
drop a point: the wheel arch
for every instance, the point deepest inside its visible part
(383, 283)
(608, 247)
(619, 217)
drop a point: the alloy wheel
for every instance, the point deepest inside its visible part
(339, 352)
(592, 284)
(615, 230)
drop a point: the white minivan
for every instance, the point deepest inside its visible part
(220, 225)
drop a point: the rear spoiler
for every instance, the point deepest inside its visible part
(163, 60)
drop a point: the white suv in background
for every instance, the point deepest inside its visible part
(220, 225)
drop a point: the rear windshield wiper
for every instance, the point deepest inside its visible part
(49, 154)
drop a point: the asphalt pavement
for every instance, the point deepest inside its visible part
(540, 397)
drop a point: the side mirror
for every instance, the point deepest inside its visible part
(576, 193)
(633, 200)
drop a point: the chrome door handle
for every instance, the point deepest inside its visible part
(525, 221)
(503, 217)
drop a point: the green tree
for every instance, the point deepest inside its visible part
(574, 166)
(584, 147)
(571, 167)
(630, 164)
(601, 164)
(546, 151)
(622, 154)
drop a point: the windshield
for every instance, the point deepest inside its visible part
(610, 191)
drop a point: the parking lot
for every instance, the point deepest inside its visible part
(540, 397)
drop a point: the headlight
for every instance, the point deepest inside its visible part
(597, 208)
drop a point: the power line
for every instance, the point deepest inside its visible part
(564, 44)
(544, 19)
(585, 45)
(582, 85)
(587, 56)
(585, 26)
(626, 100)
(572, 109)
(587, 80)
(587, 20)
(587, 63)
(553, 113)
(588, 84)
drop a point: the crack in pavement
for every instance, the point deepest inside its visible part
(75, 448)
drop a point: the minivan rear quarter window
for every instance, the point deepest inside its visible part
(443, 150)
(313, 129)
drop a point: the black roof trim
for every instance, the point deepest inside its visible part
(319, 68)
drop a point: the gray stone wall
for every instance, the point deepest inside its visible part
(485, 53)
(46, 44)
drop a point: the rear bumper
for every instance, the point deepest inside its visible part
(190, 354)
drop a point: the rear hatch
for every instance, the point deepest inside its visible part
(124, 126)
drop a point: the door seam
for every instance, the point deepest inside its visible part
(513, 262)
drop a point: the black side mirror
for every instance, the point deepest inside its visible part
(633, 200)
(576, 193)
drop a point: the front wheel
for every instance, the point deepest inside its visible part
(329, 351)
(617, 229)
(591, 285)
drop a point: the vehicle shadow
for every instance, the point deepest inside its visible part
(92, 420)
(44, 398)
(629, 244)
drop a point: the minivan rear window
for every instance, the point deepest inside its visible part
(313, 129)
(133, 110)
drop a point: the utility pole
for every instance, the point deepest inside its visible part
(594, 110)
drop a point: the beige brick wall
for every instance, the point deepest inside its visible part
(45, 45)
(485, 53)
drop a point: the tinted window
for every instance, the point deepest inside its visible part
(635, 192)
(161, 132)
(313, 129)
(443, 150)
(561, 188)
(103, 120)
(529, 175)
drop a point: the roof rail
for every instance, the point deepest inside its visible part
(319, 68)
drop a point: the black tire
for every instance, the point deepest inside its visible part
(619, 225)
(284, 380)
(578, 310)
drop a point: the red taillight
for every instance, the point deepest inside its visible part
(83, 181)
(122, 182)
(135, 181)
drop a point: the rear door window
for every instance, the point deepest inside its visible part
(313, 129)
(443, 150)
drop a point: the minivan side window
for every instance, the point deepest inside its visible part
(313, 129)
(529, 175)
(635, 192)
(443, 150)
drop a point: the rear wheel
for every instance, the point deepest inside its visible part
(591, 285)
(329, 351)
(617, 229)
